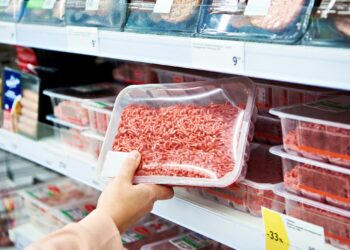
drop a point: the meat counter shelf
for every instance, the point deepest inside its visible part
(327, 67)
(225, 225)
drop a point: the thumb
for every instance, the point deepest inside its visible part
(130, 166)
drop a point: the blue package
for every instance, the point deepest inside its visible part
(12, 10)
(12, 88)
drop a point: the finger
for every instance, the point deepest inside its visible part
(158, 192)
(130, 165)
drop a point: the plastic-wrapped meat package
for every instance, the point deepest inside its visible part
(150, 230)
(96, 13)
(71, 134)
(268, 130)
(330, 24)
(68, 102)
(95, 142)
(335, 221)
(134, 73)
(185, 241)
(181, 18)
(12, 10)
(316, 180)
(99, 115)
(318, 130)
(45, 12)
(256, 191)
(271, 21)
(276, 94)
(193, 134)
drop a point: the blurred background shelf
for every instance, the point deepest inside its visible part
(326, 67)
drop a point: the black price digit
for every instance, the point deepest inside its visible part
(93, 43)
(235, 60)
(274, 236)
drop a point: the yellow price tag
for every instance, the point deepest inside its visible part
(276, 233)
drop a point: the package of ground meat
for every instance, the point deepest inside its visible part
(193, 134)
(45, 12)
(99, 115)
(330, 24)
(268, 130)
(134, 73)
(276, 94)
(319, 130)
(256, 191)
(335, 221)
(278, 21)
(150, 229)
(11, 10)
(95, 142)
(316, 180)
(191, 241)
(70, 134)
(67, 102)
(175, 17)
(96, 13)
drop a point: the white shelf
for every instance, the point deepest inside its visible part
(24, 235)
(225, 225)
(317, 66)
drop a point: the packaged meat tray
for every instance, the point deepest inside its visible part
(191, 241)
(179, 75)
(318, 130)
(330, 24)
(11, 10)
(71, 134)
(276, 21)
(316, 180)
(275, 94)
(193, 134)
(96, 13)
(335, 221)
(67, 102)
(149, 16)
(256, 191)
(45, 12)
(148, 230)
(99, 115)
(95, 143)
(134, 73)
(268, 130)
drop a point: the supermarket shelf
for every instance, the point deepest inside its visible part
(24, 235)
(317, 66)
(225, 225)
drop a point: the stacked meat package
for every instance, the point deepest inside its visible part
(82, 114)
(316, 161)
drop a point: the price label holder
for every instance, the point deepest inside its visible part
(55, 161)
(225, 56)
(287, 233)
(8, 33)
(83, 39)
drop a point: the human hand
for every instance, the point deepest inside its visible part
(127, 203)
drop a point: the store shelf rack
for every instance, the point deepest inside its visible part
(317, 66)
(225, 225)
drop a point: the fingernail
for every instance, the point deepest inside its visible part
(134, 154)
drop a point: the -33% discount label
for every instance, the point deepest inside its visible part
(225, 56)
(83, 39)
(287, 233)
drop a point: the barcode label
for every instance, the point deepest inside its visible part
(4, 3)
(92, 5)
(48, 4)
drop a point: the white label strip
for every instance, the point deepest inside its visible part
(113, 163)
(83, 39)
(257, 8)
(92, 5)
(228, 56)
(49, 4)
(163, 6)
(8, 33)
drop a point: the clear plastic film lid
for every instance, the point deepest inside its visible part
(103, 106)
(188, 134)
(331, 112)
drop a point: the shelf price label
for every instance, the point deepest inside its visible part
(286, 233)
(218, 55)
(83, 39)
(8, 32)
